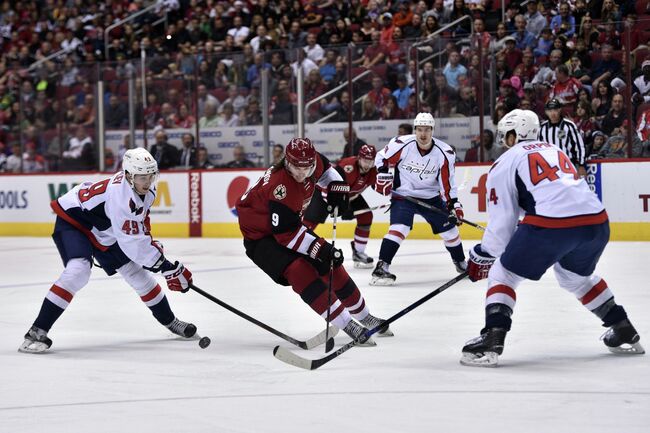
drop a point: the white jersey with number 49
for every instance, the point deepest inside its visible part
(536, 180)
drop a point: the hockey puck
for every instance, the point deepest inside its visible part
(204, 342)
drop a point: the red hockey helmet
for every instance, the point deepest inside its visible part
(367, 151)
(300, 152)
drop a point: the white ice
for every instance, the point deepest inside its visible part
(114, 368)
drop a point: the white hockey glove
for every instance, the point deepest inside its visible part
(178, 276)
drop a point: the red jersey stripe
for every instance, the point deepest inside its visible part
(567, 222)
(444, 174)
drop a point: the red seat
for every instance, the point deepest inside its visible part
(109, 74)
(642, 7)
(314, 30)
(220, 93)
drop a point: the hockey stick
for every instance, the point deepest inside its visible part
(329, 344)
(291, 358)
(370, 209)
(312, 342)
(436, 210)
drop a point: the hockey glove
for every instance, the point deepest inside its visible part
(384, 181)
(323, 254)
(456, 214)
(178, 276)
(338, 196)
(480, 263)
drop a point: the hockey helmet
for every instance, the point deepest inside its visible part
(424, 119)
(524, 123)
(139, 161)
(367, 151)
(300, 152)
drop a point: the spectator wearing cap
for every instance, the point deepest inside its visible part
(641, 87)
(507, 96)
(327, 30)
(512, 53)
(566, 88)
(535, 21)
(614, 118)
(404, 15)
(453, 69)
(563, 133)
(564, 23)
(599, 139)
(402, 93)
(386, 32)
(523, 38)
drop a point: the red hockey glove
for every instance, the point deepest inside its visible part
(178, 277)
(384, 183)
(456, 214)
(480, 263)
(338, 196)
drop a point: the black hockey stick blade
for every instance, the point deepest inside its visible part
(308, 344)
(291, 358)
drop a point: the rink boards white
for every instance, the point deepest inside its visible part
(201, 203)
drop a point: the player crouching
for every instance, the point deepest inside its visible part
(108, 221)
(359, 172)
(292, 255)
(564, 226)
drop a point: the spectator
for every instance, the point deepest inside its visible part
(610, 36)
(328, 67)
(297, 37)
(283, 105)
(14, 161)
(254, 73)
(228, 117)
(375, 53)
(211, 119)
(597, 145)
(313, 51)
(535, 21)
(80, 153)
(116, 113)
(239, 31)
(546, 74)
(482, 35)
(402, 93)
(614, 118)
(239, 161)
(277, 154)
(602, 99)
(165, 154)
(126, 145)
(499, 41)
(253, 112)
(617, 146)
(413, 30)
(352, 143)
(564, 23)
(523, 38)
(453, 69)
(32, 162)
(404, 129)
(203, 159)
(579, 73)
(257, 41)
(607, 67)
(507, 96)
(187, 158)
(203, 98)
(386, 30)
(490, 152)
(443, 97)
(379, 94)
(584, 121)
(610, 12)
(184, 119)
(236, 97)
(544, 43)
(641, 87)
(566, 88)
(391, 109)
(643, 128)
(513, 55)
(467, 105)
(588, 34)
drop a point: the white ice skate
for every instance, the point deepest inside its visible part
(381, 276)
(36, 341)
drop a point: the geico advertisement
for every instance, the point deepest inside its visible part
(27, 198)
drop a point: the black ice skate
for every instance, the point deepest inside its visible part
(361, 260)
(371, 322)
(358, 334)
(381, 276)
(36, 341)
(484, 350)
(182, 329)
(622, 339)
(460, 266)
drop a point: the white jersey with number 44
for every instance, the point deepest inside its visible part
(536, 180)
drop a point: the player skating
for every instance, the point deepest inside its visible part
(359, 172)
(564, 226)
(276, 240)
(108, 221)
(422, 167)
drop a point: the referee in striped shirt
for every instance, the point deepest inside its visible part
(563, 133)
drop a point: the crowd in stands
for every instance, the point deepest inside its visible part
(205, 60)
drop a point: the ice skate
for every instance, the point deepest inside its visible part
(371, 322)
(622, 339)
(361, 260)
(460, 266)
(182, 329)
(484, 350)
(36, 341)
(381, 276)
(358, 334)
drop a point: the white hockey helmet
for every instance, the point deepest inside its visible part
(139, 161)
(524, 123)
(424, 119)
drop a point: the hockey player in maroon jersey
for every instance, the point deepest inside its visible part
(359, 172)
(276, 240)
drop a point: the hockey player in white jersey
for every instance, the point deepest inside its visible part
(419, 166)
(108, 221)
(564, 226)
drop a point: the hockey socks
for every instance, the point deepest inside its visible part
(162, 312)
(48, 314)
(457, 253)
(388, 250)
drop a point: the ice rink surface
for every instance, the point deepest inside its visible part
(113, 368)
